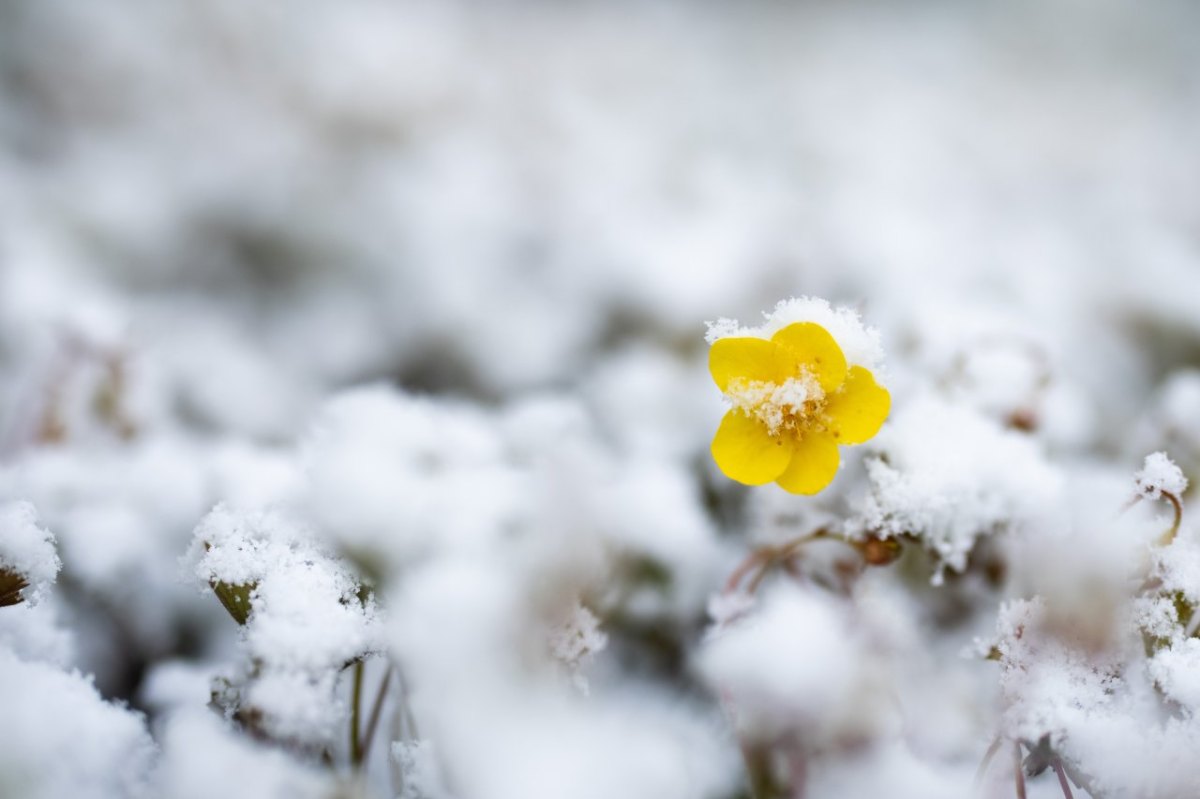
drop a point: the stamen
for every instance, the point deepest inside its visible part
(788, 406)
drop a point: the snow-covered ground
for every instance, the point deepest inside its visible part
(355, 408)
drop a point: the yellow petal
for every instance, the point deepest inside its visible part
(813, 466)
(857, 411)
(747, 453)
(746, 357)
(815, 350)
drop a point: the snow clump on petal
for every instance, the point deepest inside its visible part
(859, 343)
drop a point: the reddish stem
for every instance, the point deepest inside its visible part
(1018, 771)
(1062, 779)
(987, 759)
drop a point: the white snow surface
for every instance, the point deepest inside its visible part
(797, 665)
(60, 738)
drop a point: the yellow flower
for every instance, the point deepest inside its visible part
(794, 401)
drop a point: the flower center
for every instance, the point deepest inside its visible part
(791, 406)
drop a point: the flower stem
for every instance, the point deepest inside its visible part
(376, 709)
(797, 770)
(754, 559)
(1166, 538)
(1018, 770)
(1062, 779)
(765, 557)
(987, 759)
(759, 772)
(356, 751)
(1169, 535)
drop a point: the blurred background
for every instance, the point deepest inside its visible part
(213, 215)
(483, 198)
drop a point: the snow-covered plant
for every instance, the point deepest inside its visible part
(361, 436)
(28, 562)
(1093, 663)
(946, 476)
(304, 617)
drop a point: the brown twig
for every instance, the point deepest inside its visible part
(1166, 538)
(1169, 535)
(744, 568)
(767, 556)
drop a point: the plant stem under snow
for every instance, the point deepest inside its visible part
(356, 751)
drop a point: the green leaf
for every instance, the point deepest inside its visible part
(235, 598)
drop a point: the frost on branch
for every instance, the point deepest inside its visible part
(1047, 684)
(1106, 684)
(1176, 671)
(947, 476)
(576, 640)
(1097, 710)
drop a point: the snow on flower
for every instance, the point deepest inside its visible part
(795, 398)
